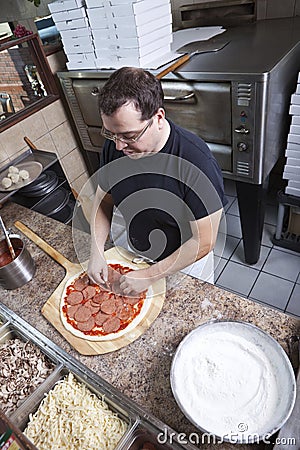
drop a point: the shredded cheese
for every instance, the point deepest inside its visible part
(72, 417)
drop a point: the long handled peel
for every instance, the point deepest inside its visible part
(191, 49)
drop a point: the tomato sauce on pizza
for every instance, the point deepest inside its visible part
(94, 311)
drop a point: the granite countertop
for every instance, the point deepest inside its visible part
(140, 370)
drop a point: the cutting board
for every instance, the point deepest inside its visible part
(51, 308)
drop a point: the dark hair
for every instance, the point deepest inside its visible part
(131, 84)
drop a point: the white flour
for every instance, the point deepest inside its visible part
(226, 384)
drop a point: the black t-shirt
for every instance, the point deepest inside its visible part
(159, 195)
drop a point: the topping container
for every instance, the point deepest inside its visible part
(15, 272)
(31, 405)
(20, 376)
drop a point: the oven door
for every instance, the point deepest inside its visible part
(205, 109)
(201, 107)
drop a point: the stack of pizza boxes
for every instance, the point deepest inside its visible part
(292, 153)
(71, 21)
(130, 33)
(118, 33)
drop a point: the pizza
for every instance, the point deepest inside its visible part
(94, 313)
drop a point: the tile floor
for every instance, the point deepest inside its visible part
(275, 279)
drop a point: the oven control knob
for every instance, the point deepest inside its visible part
(241, 130)
(95, 91)
(242, 147)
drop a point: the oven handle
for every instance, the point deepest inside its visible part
(188, 96)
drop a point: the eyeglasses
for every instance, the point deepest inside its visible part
(118, 137)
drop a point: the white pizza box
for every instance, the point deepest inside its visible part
(295, 129)
(81, 61)
(298, 81)
(72, 14)
(124, 30)
(295, 109)
(94, 3)
(295, 138)
(100, 18)
(288, 175)
(295, 184)
(97, 13)
(293, 162)
(107, 63)
(107, 54)
(295, 99)
(295, 120)
(294, 169)
(81, 65)
(147, 17)
(122, 50)
(143, 61)
(65, 5)
(292, 146)
(145, 49)
(76, 33)
(146, 39)
(79, 48)
(76, 41)
(136, 8)
(102, 34)
(298, 88)
(81, 57)
(292, 191)
(72, 24)
(106, 41)
(292, 153)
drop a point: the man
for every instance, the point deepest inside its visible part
(162, 178)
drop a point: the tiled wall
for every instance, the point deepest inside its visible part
(50, 130)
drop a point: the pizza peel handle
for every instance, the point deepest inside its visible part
(58, 257)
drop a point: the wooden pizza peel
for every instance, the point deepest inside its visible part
(51, 309)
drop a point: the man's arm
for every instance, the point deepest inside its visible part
(100, 227)
(204, 235)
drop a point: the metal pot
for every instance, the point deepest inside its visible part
(15, 273)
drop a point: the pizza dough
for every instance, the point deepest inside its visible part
(95, 314)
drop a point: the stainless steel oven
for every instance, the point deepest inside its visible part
(236, 99)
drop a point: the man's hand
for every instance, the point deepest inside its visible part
(97, 269)
(134, 282)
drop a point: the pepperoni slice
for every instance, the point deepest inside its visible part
(72, 310)
(89, 292)
(108, 306)
(81, 283)
(74, 298)
(125, 312)
(111, 324)
(86, 326)
(131, 300)
(94, 307)
(98, 298)
(119, 301)
(83, 314)
(100, 318)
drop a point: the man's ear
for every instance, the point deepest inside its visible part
(160, 114)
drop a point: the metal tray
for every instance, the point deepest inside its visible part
(3, 321)
(8, 332)
(34, 169)
(32, 403)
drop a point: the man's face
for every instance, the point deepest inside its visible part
(126, 124)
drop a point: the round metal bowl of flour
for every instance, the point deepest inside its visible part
(233, 381)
